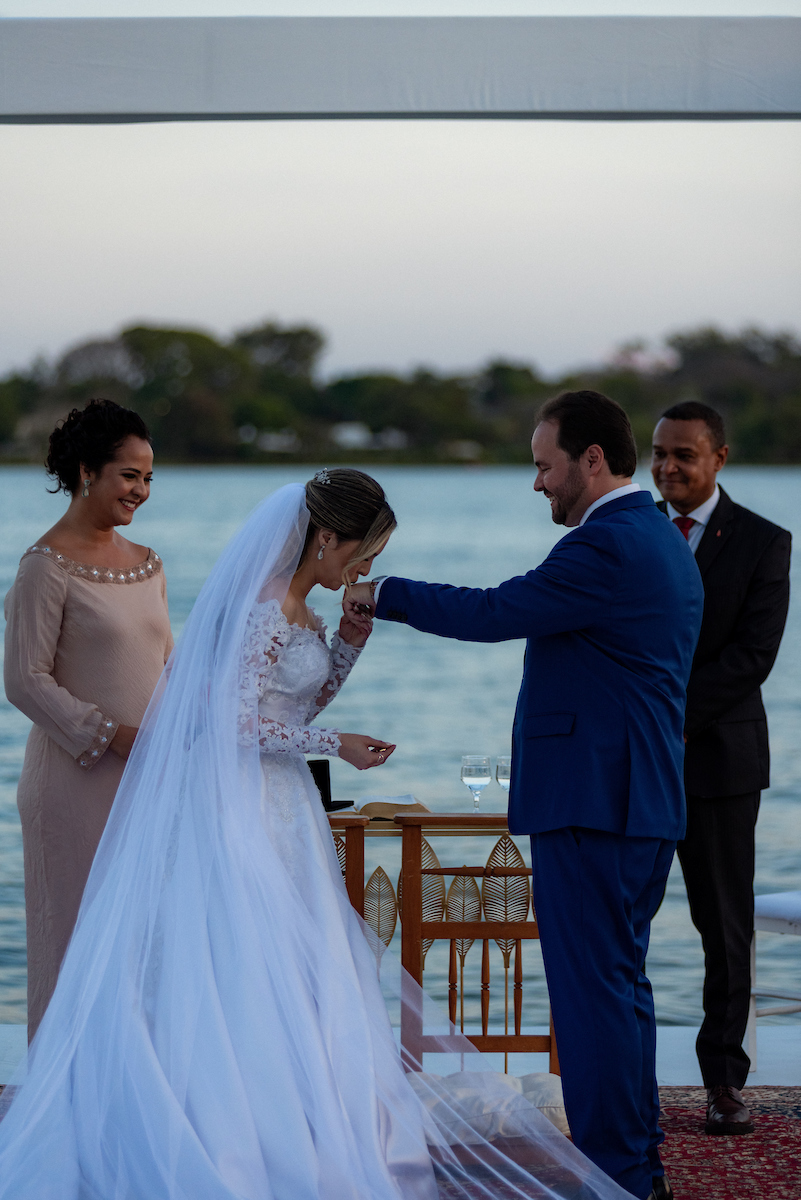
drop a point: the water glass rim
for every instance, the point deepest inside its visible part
(475, 758)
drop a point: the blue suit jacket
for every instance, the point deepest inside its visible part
(612, 617)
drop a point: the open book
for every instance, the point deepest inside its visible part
(383, 808)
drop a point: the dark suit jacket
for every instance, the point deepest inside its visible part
(744, 562)
(612, 618)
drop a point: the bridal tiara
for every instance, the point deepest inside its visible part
(322, 476)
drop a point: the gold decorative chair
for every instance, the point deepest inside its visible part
(498, 910)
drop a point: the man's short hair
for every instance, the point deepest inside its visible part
(694, 410)
(588, 418)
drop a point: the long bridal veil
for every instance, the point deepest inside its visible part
(213, 1038)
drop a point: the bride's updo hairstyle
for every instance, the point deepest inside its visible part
(90, 438)
(353, 506)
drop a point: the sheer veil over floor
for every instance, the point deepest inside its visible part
(218, 1031)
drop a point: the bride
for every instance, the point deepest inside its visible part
(218, 1031)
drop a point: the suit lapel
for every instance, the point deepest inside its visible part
(716, 534)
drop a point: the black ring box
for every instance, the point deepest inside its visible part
(321, 774)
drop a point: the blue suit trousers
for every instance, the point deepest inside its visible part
(595, 894)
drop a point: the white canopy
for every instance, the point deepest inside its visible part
(164, 69)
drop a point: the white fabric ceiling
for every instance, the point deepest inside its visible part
(282, 67)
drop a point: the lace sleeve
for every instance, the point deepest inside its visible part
(266, 636)
(277, 738)
(343, 660)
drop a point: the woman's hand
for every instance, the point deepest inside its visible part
(355, 634)
(123, 740)
(358, 607)
(363, 752)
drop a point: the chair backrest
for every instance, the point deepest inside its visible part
(489, 903)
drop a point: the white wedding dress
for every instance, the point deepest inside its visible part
(289, 674)
(218, 1031)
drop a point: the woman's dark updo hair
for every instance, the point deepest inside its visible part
(90, 438)
(353, 506)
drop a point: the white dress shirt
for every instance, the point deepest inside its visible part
(701, 517)
(615, 495)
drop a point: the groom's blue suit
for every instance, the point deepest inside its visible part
(611, 619)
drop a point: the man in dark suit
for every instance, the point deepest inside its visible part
(611, 619)
(744, 562)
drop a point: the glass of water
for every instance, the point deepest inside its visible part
(476, 774)
(503, 771)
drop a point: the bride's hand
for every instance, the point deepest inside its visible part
(363, 752)
(358, 607)
(355, 634)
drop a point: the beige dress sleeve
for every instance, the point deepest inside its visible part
(34, 612)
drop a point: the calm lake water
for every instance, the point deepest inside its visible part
(436, 698)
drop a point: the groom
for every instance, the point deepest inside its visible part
(611, 619)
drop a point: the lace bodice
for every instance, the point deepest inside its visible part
(288, 675)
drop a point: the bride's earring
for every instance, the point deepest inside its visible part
(85, 492)
(320, 555)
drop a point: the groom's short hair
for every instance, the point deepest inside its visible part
(588, 418)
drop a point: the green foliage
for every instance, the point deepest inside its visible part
(753, 379)
(377, 400)
(505, 384)
(19, 394)
(266, 412)
(293, 352)
(256, 398)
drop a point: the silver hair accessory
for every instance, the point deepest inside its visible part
(85, 492)
(322, 476)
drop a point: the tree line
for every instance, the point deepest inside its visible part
(258, 397)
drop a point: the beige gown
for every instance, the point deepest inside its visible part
(84, 649)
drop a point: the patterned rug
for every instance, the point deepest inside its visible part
(763, 1165)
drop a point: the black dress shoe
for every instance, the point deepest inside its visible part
(726, 1111)
(661, 1189)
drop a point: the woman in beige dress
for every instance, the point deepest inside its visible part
(87, 637)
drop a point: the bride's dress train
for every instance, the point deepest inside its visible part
(218, 1031)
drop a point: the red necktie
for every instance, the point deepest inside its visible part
(685, 524)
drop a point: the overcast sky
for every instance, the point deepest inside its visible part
(441, 243)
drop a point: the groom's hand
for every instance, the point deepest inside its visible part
(359, 607)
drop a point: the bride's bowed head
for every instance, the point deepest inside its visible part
(350, 523)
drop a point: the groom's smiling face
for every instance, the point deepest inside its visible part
(559, 477)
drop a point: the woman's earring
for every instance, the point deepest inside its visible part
(85, 492)
(320, 555)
